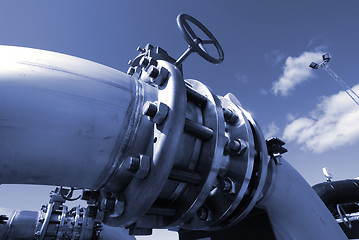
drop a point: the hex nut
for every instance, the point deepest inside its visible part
(227, 185)
(119, 208)
(131, 71)
(229, 116)
(149, 109)
(107, 204)
(153, 62)
(161, 77)
(161, 114)
(153, 71)
(234, 146)
(237, 146)
(144, 61)
(202, 213)
(144, 167)
(132, 164)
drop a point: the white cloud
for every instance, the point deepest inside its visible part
(296, 70)
(334, 123)
(271, 130)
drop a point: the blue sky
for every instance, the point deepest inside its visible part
(267, 47)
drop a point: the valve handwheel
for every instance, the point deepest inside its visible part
(197, 44)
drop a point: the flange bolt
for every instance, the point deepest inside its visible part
(144, 62)
(237, 146)
(153, 71)
(133, 164)
(149, 109)
(225, 185)
(202, 213)
(229, 116)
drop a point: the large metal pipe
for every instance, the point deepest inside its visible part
(294, 209)
(64, 120)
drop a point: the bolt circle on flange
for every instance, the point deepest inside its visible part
(140, 193)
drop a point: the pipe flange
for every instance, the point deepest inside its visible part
(141, 193)
(191, 201)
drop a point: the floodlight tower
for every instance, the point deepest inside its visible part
(344, 85)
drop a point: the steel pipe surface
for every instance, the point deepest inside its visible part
(63, 120)
(294, 209)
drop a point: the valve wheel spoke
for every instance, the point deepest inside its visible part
(197, 44)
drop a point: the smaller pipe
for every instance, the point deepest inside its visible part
(338, 192)
(19, 224)
(24, 225)
(294, 209)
